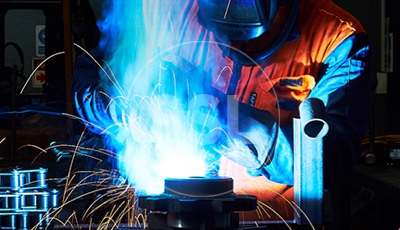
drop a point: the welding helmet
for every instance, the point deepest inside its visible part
(235, 21)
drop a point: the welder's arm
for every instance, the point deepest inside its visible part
(345, 89)
(247, 140)
(91, 96)
(253, 139)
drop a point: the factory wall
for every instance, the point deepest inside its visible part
(381, 21)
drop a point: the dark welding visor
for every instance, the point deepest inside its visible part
(247, 21)
(237, 19)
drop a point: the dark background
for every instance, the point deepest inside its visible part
(17, 25)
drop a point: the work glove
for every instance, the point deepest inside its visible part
(249, 135)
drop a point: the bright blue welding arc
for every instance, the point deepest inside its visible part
(157, 125)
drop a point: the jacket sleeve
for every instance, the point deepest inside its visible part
(345, 88)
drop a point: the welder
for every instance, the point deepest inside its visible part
(269, 55)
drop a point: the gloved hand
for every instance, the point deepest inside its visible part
(249, 136)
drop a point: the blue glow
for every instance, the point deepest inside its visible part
(160, 144)
(168, 118)
(159, 125)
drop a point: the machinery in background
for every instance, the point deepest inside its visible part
(25, 199)
(382, 150)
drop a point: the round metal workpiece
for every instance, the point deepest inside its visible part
(196, 203)
(199, 186)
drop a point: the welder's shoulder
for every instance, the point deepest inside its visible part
(329, 9)
(86, 72)
(92, 58)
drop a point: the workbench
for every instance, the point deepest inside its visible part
(384, 182)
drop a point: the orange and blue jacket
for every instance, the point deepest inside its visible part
(325, 58)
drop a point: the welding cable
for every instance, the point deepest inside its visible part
(20, 55)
